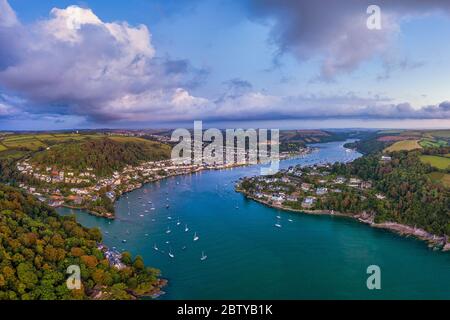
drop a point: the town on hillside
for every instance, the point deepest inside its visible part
(85, 190)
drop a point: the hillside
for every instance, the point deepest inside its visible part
(416, 199)
(103, 155)
(403, 189)
(37, 246)
(398, 140)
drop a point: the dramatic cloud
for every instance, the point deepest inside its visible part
(74, 63)
(336, 31)
(260, 106)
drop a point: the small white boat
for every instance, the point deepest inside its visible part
(278, 217)
(171, 254)
(155, 247)
(186, 229)
(196, 237)
(168, 230)
(169, 218)
(290, 220)
(152, 208)
(178, 222)
(204, 257)
(124, 241)
(141, 215)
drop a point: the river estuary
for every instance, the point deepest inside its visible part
(310, 257)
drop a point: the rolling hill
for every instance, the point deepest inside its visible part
(104, 155)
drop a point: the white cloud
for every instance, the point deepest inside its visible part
(73, 62)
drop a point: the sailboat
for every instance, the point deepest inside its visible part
(168, 230)
(155, 247)
(204, 257)
(278, 224)
(178, 222)
(171, 254)
(196, 237)
(186, 229)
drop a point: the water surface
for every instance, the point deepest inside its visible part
(312, 257)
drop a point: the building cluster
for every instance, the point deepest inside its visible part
(304, 184)
(114, 257)
(63, 187)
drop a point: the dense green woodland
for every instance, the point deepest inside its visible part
(37, 245)
(104, 155)
(412, 197)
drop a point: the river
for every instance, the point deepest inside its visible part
(310, 257)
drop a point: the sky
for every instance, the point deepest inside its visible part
(278, 63)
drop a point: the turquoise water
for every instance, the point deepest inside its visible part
(312, 257)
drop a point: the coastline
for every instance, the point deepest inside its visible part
(111, 215)
(434, 241)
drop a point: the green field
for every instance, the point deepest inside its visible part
(440, 177)
(426, 143)
(3, 148)
(404, 145)
(12, 154)
(29, 143)
(438, 162)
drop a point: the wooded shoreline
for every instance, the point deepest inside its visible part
(434, 241)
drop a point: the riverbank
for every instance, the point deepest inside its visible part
(434, 241)
(139, 184)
